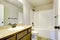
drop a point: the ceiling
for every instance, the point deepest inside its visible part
(36, 3)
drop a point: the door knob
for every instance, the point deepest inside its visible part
(2, 22)
(57, 27)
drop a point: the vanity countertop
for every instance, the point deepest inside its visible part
(11, 31)
(4, 27)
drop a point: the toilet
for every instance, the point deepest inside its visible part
(34, 34)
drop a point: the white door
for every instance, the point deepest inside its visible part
(58, 3)
(1, 15)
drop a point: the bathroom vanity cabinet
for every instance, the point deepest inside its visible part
(24, 34)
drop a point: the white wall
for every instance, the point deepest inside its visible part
(1, 14)
(27, 12)
(55, 9)
(31, 17)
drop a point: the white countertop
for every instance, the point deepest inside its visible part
(10, 31)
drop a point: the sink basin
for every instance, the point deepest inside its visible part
(16, 28)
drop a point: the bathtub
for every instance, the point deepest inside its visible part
(45, 33)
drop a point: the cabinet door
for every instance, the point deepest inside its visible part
(11, 38)
(21, 34)
(27, 37)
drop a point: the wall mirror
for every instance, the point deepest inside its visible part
(11, 12)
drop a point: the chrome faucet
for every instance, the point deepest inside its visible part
(13, 25)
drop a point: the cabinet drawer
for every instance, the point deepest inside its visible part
(12, 38)
(27, 37)
(21, 34)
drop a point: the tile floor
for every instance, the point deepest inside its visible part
(42, 38)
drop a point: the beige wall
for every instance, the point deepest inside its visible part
(10, 11)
